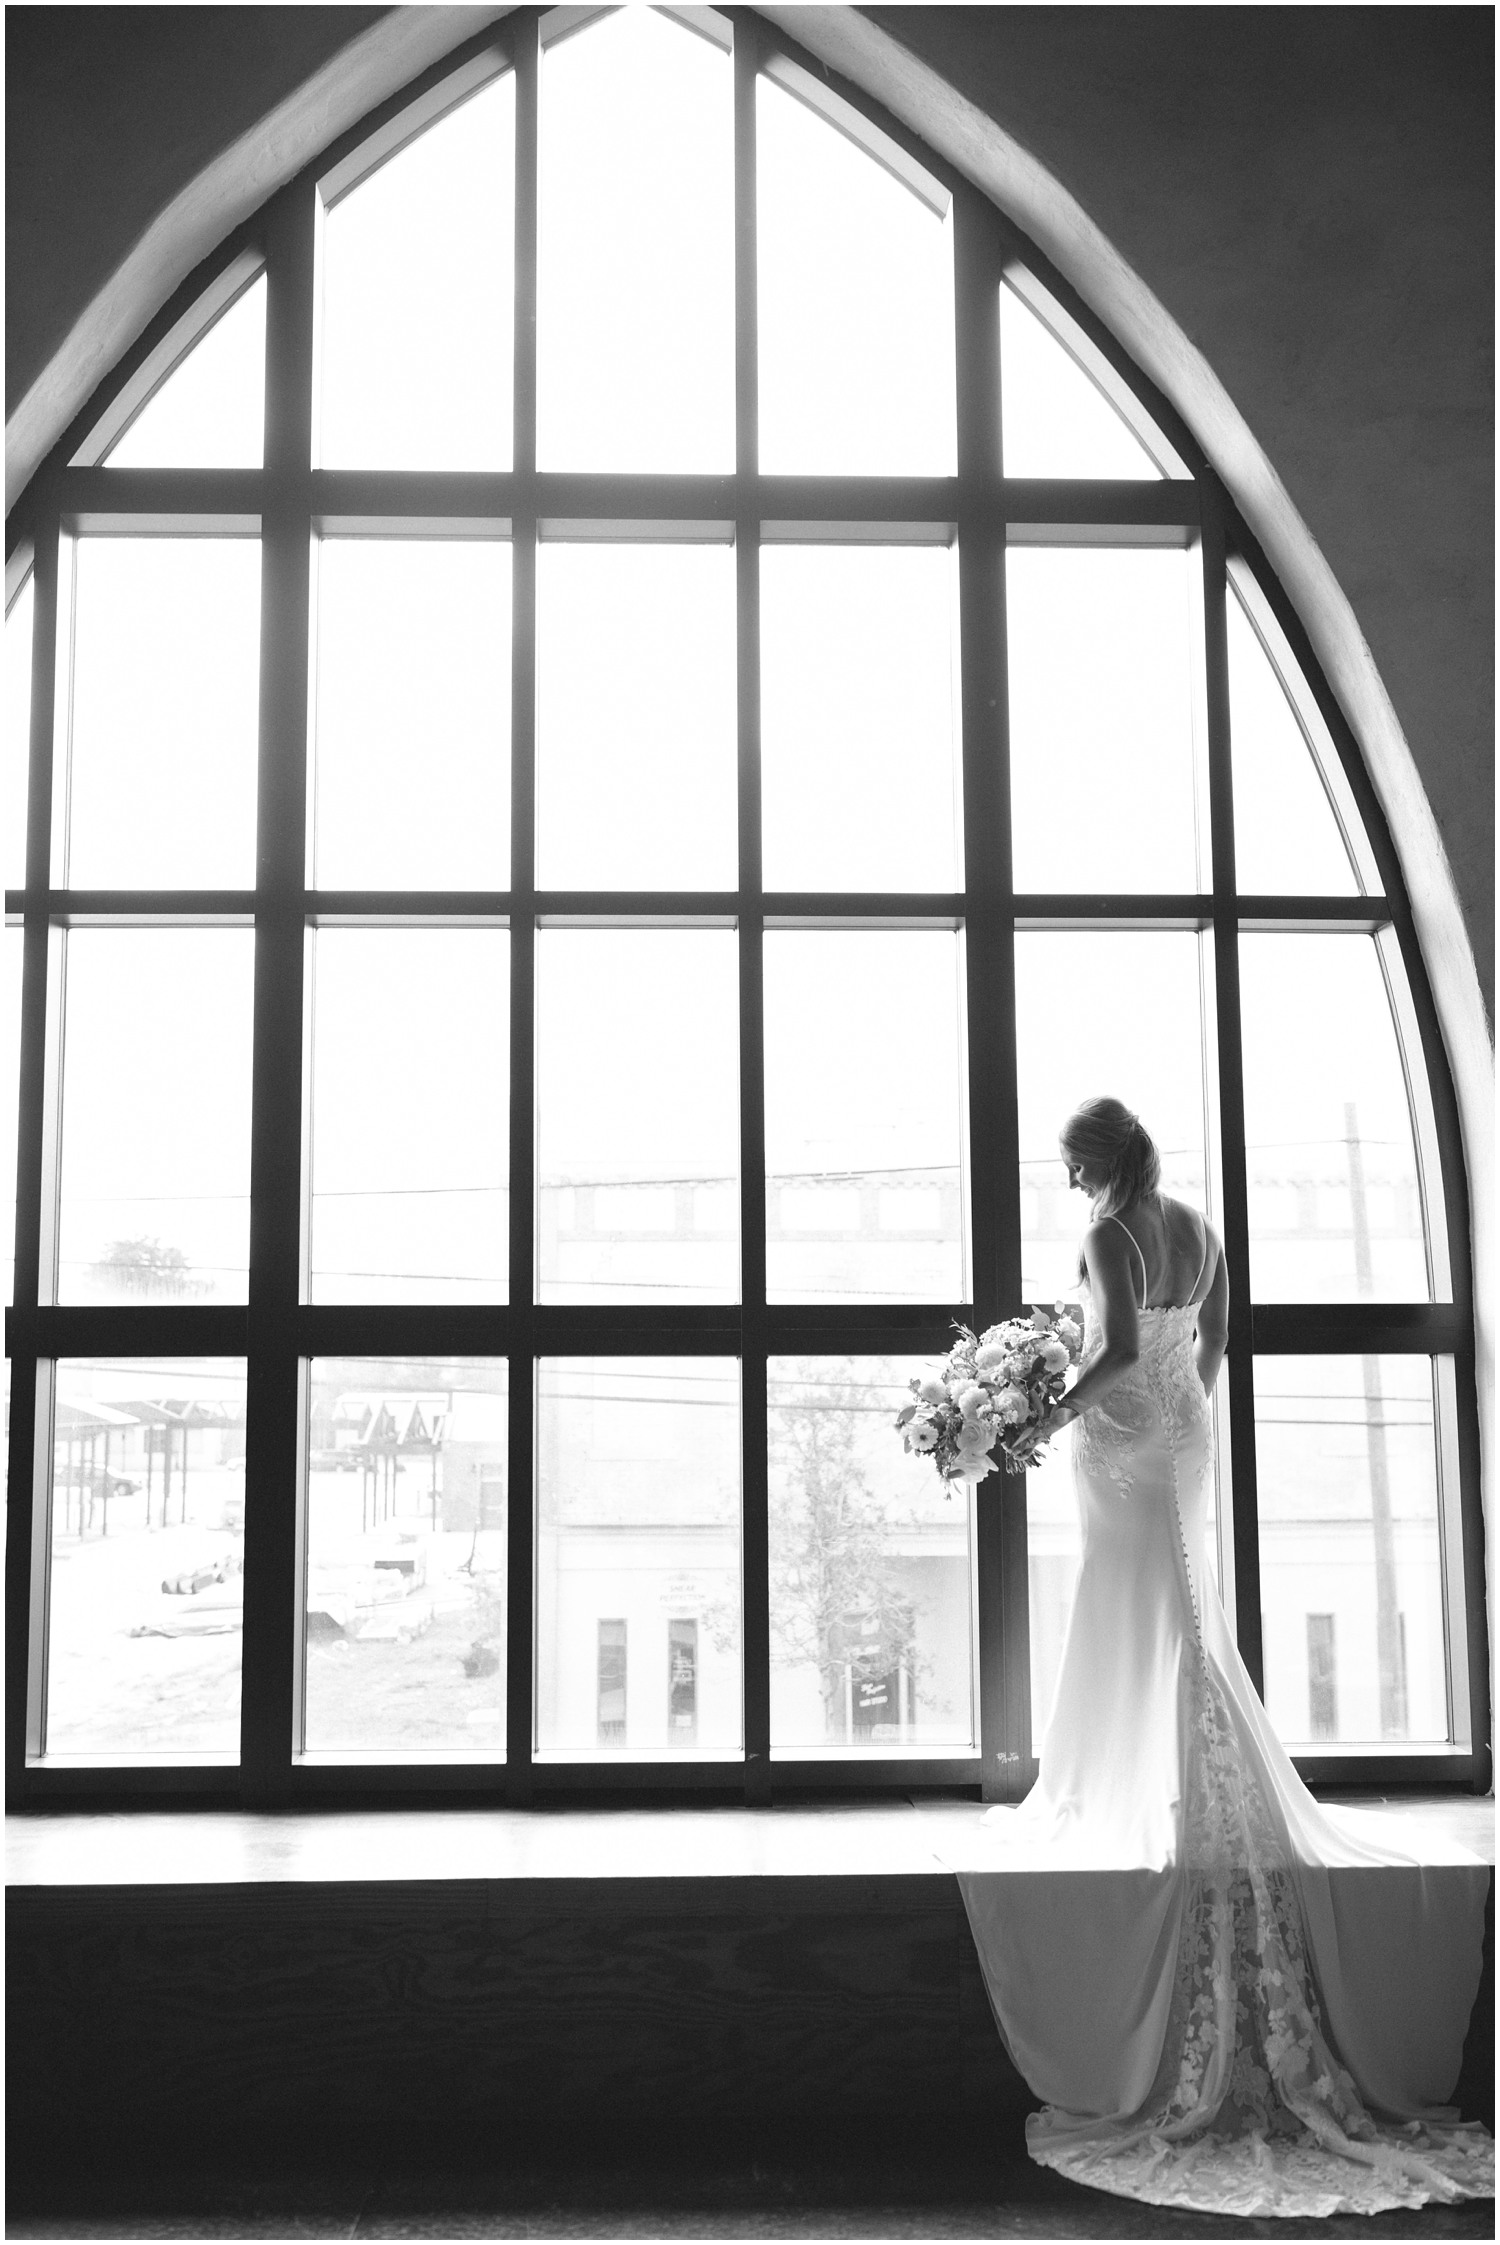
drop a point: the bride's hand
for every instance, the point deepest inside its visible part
(1023, 1445)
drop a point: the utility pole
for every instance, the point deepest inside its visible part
(1393, 1716)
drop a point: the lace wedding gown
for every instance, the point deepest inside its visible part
(1199, 1974)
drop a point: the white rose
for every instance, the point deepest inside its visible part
(1054, 1355)
(932, 1389)
(1011, 1407)
(971, 1400)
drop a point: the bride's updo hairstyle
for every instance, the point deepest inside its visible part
(1104, 1133)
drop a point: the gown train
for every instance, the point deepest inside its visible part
(1230, 1998)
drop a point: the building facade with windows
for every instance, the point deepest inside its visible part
(617, 707)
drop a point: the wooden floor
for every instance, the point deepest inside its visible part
(834, 2184)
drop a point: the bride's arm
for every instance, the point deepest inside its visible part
(1112, 1283)
(1213, 1326)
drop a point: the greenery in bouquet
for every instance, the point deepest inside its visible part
(990, 1388)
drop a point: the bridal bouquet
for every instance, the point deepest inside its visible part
(991, 1384)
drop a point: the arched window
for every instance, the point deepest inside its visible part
(628, 701)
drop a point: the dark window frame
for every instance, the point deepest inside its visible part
(279, 1333)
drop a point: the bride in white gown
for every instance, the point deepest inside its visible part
(1214, 2021)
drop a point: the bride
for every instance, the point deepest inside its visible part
(1213, 2020)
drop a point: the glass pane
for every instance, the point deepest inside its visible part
(1054, 420)
(1335, 1205)
(1160, 1075)
(638, 1127)
(166, 698)
(417, 265)
(1286, 838)
(210, 411)
(406, 1545)
(872, 1647)
(155, 1201)
(856, 306)
(635, 266)
(412, 752)
(1350, 1559)
(635, 782)
(865, 1117)
(410, 1196)
(147, 1587)
(1101, 726)
(17, 731)
(858, 716)
(11, 958)
(638, 1591)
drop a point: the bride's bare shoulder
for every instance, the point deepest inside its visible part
(1107, 1242)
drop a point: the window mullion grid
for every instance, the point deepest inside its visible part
(520, 1657)
(274, 1441)
(276, 1331)
(755, 1564)
(1435, 1328)
(520, 1474)
(1239, 1369)
(1460, 1460)
(989, 961)
(27, 1540)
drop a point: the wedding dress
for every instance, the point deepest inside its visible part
(1188, 1957)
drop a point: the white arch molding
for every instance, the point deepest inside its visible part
(379, 61)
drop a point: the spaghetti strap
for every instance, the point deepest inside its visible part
(1208, 1240)
(1135, 1243)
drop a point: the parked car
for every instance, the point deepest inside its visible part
(99, 1481)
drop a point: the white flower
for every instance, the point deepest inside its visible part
(921, 1434)
(989, 1356)
(971, 1401)
(1011, 1407)
(1054, 1356)
(932, 1389)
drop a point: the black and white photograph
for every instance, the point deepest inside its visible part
(747, 1067)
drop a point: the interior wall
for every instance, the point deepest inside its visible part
(1307, 190)
(108, 113)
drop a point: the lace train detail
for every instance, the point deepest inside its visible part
(1252, 2175)
(1250, 2111)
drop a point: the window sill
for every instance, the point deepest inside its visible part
(531, 1847)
